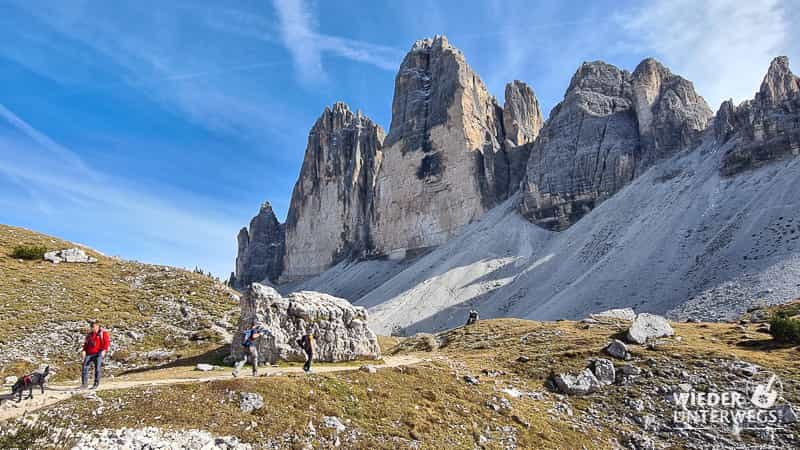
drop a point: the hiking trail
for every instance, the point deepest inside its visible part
(57, 392)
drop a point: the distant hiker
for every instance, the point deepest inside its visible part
(306, 342)
(473, 317)
(95, 347)
(250, 344)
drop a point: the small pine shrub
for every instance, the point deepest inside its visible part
(784, 329)
(29, 252)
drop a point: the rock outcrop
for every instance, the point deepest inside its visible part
(611, 126)
(444, 158)
(69, 255)
(767, 128)
(340, 328)
(522, 122)
(261, 249)
(331, 207)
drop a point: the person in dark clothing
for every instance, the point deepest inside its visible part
(473, 317)
(306, 342)
(249, 342)
(95, 347)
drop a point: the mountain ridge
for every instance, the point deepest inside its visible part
(612, 128)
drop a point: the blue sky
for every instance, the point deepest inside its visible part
(154, 130)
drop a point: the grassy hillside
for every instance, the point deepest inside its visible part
(44, 308)
(431, 405)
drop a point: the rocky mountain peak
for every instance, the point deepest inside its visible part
(522, 117)
(779, 82)
(611, 126)
(425, 87)
(330, 210)
(599, 77)
(767, 126)
(445, 161)
(435, 43)
(260, 249)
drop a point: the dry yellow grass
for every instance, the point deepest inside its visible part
(121, 294)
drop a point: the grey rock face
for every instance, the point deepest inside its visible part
(648, 326)
(340, 328)
(611, 126)
(261, 249)
(445, 161)
(331, 207)
(70, 255)
(522, 118)
(766, 128)
(522, 122)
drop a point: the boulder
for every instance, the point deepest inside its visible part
(340, 328)
(618, 349)
(629, 370)
(333, 422)
(70, 255)
(250, 401)
(581, 384)
(648, 326)
(603, 370)
(368, 368)
(10, 380)
(204, 367)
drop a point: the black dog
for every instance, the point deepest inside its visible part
(29, 382)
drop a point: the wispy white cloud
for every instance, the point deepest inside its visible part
(155, 55)
(298, 29)
(66, 189)
(297, 32)
(723, 46)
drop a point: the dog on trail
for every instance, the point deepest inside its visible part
(29, 382)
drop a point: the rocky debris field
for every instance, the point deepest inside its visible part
(489, 385)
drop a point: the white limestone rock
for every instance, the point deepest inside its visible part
(648, 326)
(582, 384)
(340, 328)
(70, 255)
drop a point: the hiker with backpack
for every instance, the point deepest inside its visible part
(249, 342)
(95, 347)
(306, 342)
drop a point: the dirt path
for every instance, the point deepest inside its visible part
(55, 393)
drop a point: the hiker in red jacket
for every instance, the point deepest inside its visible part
(95, 347)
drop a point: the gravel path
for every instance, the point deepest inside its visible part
(55, 393)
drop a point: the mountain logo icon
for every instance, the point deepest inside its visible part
(765, 395)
